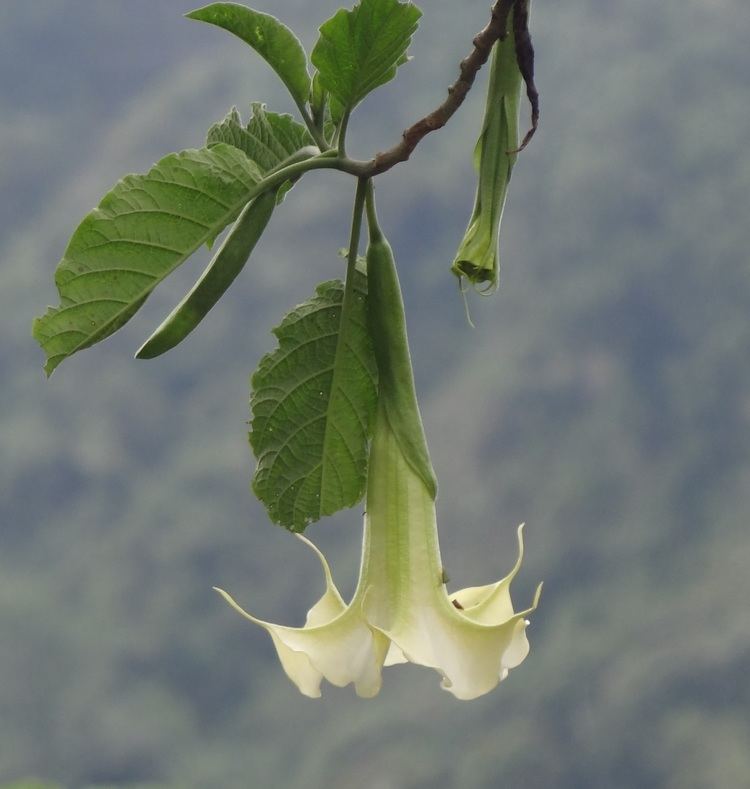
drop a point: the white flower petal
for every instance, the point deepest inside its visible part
(331, 603)
(343, 650)
(491, 604)
(471, 657)
(297, 667)
(518, 649)
(395, 655)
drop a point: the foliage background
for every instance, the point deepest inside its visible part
(604, 399)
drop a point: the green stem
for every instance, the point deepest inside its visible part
(342, 135)
(312, 127)
(329, 159)
(296, 169)
(363, 187)
(372, 218)
(348, 301)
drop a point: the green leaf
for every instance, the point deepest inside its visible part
(268, 139)
(313, 403)
(272, 40)
(361, 49)
(140, 232)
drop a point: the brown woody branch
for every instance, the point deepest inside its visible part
(496, 30)
(525, 60)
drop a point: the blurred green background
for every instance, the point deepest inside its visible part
(604, 398)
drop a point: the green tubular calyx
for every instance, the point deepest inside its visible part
(229, 260)
(385, 312)
(494, 157)
(223, 269)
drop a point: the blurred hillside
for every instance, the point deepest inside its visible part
(604, 398)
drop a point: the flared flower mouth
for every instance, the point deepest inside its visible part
(401, 611)
(336, 643)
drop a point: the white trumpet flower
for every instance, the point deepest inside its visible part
(401, 611)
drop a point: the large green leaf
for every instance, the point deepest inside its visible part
(140, 232)
(268, 139)
(272, 40)
(359, 50)
(313, 402)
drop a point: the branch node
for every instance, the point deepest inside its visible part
(495, 30)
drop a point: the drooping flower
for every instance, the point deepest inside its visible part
(494, 157)
(401, 611)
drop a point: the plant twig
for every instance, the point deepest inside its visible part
(496, 29)
(525, 60)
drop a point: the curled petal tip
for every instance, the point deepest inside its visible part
(234, 604)
(323, 562)
(537, 596)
